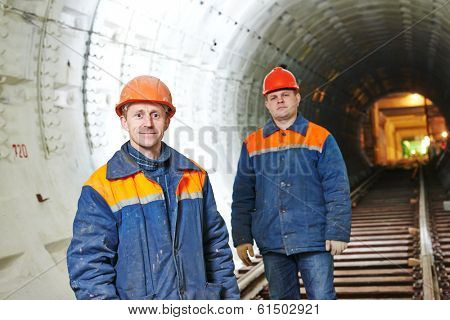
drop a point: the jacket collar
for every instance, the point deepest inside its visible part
(300, 125)
(149, 164)
(123, 165)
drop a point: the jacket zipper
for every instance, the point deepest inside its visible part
(174, 247)
(174, 240)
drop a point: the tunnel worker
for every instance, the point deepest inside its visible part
(147, 226)
(291, 195)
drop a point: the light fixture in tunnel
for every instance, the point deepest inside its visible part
(416, 99)
(426, 141)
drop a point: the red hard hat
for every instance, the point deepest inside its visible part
(145, 89)
(279, 78)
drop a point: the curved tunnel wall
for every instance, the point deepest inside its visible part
(63, 63)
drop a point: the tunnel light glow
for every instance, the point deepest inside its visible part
(426, 141)
(424, 145)
(413, 148)
(444, 134)
(416, 99)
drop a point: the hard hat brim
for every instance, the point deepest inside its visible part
(119, 106)
(266, 92)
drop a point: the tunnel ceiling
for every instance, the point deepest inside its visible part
(352, 53)
(369, 48)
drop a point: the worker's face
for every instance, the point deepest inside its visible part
(283, 104)
(146, 123)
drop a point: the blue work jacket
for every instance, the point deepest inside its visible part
(124, 247)
(291, 191)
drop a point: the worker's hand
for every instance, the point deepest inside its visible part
(242, 253)
(335, 247)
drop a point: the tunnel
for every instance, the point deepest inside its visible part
(63, 64)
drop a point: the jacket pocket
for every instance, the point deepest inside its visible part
(209, 291)
(213, 291)
(316, 223)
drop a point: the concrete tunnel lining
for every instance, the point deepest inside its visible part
(215, 74)
(359, 87)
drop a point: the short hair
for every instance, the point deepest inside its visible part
(124, 109)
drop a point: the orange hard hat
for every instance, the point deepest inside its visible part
(146, 89)
(279, 78)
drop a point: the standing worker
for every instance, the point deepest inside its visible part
(147, 225)
(291, 194)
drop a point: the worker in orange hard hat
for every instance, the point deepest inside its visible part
(279, 78)
(147, 225)
(291, 195)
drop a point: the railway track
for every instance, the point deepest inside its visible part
(385, 258)
(440, 233)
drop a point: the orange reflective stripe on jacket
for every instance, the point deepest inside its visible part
(191, 185)
(139, 189)
(314, 140)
